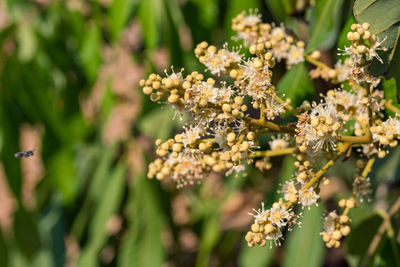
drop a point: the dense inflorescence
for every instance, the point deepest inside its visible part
(222, 136)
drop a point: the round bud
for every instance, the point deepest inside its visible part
(342, 203)
(345, 230)
(251, 136)
(147, 90)
(337, 235)
(231, 137)
(233, 73)
(226, 108)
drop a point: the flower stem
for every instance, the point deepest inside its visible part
(342, 148)
(272, 153)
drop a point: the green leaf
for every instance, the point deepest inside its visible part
(26, 233)
(389, 87)
(280, 9)
(384, 18)
(210, 235)
(304, 246)
(361, 236)
(118, 16)
(159, 123)
(108, 206)
(150, 15)
(256, 256)
(324, 24)
(62, 173)
(3, 251)
(208, 11)
(296, 84)
(27, 42)
(388, 171)
(96, 188)
(141, 244)
(89, 53)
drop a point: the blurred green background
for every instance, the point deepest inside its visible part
(69, 74)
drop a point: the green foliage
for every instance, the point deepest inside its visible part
(325, 23)
(304, 247)
(384, 18)
(296, 84)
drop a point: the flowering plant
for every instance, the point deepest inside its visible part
(223, 136)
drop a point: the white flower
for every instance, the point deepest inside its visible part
(257, 80)
(272, 107)
(275, 236)
(192, 134)
(279, 215)
(252, 19)
(343, 71)
(329, 222)
(289, 191)
(278, 143)
(260, 215)
(308, 197)
(217, 62)
(321, 132)
(372, 51)
(343, 98)
(361, 186)
(295, 55)
(187, 168)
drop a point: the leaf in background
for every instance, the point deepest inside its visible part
(208, 12)
(304, 246)
(96, 188)
(3, 251)
(150, 16)
(141, 244)
(118, 16)
(384, 18)
(160, 123)
(62, 173)
(296, 84)
(210, 235)
(324, 24)
(390, 168)
(89, 53)
(389, 87)
(27, 41)
(361, 235)
(256, 256)
(280, 9)
(390, 253)
(26, 233)
(108, 206)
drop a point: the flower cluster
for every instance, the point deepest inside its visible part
(223, 136)
(282, 45)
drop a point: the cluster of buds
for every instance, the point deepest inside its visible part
(364, 48)
(223, 136)
(220, 61)
(268, 224)
(281, 44)
(319, 130)
(335, 227)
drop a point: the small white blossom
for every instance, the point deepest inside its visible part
(308, 197)
(289, 191)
